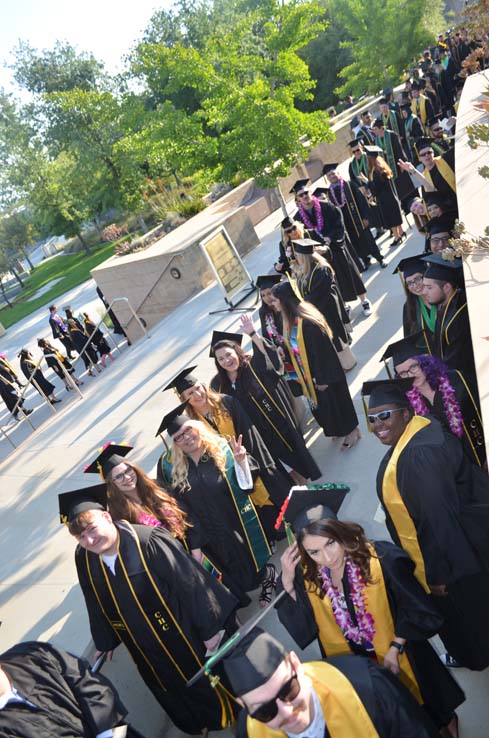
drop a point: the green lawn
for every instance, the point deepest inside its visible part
(74, 269)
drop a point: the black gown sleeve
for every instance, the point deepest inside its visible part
(323, 360)
(297, 616)
(334, 227)
(269, 361)
(252, 440)
(360, 200)
(104, 636)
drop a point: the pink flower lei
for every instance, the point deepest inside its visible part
(450, 405)
(317, 212)
(363, 634)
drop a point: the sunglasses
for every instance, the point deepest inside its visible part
(303, 193)
(430, 152)
(383, 415)
(288, 693)
(355, 151)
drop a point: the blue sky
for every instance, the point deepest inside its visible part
(107, 28)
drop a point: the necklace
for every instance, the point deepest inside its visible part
(341, 185)
(363, 633)
(318, 214)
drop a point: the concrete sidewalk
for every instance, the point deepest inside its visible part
(39, 596)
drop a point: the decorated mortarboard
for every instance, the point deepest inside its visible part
(184, 380)
(78, 501)
(304, 245)
(218, 336)
(423, 143)
(354, 142)
(267, 281)
(330, 167)
(174, 420)
(411, 265)
(387, 391)
(320, 191)
(443, 269)
(373, 150)
(443, 224)
(299, 186)
(404, 349)
(110, 455)
(308, 503)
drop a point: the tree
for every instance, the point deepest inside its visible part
(16, 233)
(384, 36)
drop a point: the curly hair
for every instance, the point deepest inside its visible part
(212, 445)
(349, 535)
(433, 368)
(154, 501)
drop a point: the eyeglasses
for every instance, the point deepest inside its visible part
(440, 239)
(430, 152)
(414, 280)
(413, 369)
(183, 436)
(303, 193)
(128, 472)
(383, 415)
(355, 151)
(288, 693)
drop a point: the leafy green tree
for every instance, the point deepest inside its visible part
(16, 233)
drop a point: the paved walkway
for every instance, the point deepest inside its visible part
(39, 596)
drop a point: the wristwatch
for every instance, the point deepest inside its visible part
(399, 646)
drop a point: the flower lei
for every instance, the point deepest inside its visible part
(318, 213)
(450, 405)
(339, 203)
(364, 633)
(272, 331)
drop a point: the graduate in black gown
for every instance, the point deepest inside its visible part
(257, 381)
(142, 589)
(418, 317)
(343, 578)
(437, 508)
(392, 151)
(381, 185)
(439, 170)
(317, 366)
(57, 694)
(39, 381)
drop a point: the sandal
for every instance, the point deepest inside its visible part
(268, 585)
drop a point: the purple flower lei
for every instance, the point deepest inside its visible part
(317, 212)
(364, 633)
(339, 203)
(450, 405)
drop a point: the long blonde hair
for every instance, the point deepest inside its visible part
(216, 405)
(212, 445)
(303, 271)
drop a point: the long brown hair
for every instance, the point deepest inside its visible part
(292, 308)
(224, 382)
(349, 535)
(154, 501)
(382, 167)
(214, 400)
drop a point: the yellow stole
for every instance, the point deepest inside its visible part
(343, 710)
(422, 108)
(392, 500)
(303, 372)
(446, 172)
(334, 642)
(225, 428)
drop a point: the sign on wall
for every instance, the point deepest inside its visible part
(226, 263)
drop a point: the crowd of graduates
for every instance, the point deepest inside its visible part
(166, 564)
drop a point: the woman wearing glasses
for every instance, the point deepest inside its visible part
(443, 393)
(361, 597)
(417, 314)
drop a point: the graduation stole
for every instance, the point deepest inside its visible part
(446, 172)
(344, 713)
(419, 110)
(444, 329)
(360, 166)
(392, 500)
(385, 144)
(355, 214)
(473, 433)
(427, 318)
(223, 424)
(301, 362)
(265, 408)
(377, 605)
(390, 121)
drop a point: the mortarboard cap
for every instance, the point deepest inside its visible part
(442, 224)
(378, 123)
(383, 101)
(287, 222)
(184, 380)
(387, 91)
(320, 191)
(406, 106)
(304, 245)
(299, 185)
(73, 503)
(411, 265)
(415, 85)
(436, 198)
(373, 150)
(387, 391)
(306, 504)
(433, 121)
(443, 269)
(330, 167)
(109, 456)
(218, 336)
(267, 281)
(423, 143)
(354, 142)
(253, 661)
(404, 349)
(174, 420)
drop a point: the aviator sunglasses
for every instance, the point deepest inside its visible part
(288, 693)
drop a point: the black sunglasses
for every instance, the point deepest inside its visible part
(288, 693)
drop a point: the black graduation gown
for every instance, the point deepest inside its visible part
(425, 342)
(98, 338)
(355, 210)
(345, 269)
(70, 701)
(385, 193)
(447, 499)
(320, 289)
(52, 362)
(472, 440)
(8, 393)
(334, 412)
(274, 418)
(392, 709)
(393, 151)
(200, 605)
(441, 185)
(374, 212)
(414, 616)
(414, 130)
(38, 377)
(453, 342)
(79, 339)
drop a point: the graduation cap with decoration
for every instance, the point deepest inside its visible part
(444, 270)
(174, 420)
(267, 281)
(78, 501)
(110, 455)
(184, 380)
(218, 336)
(307, 503)
(403, 350)
(330, 167)
(304, 245)
(385, 392)
(299, 186)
